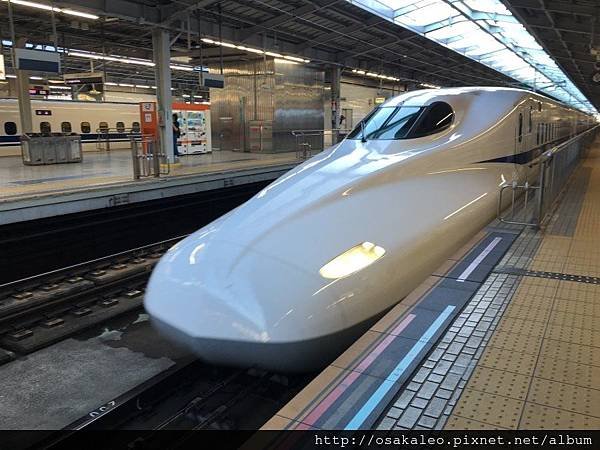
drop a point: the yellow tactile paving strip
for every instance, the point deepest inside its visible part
(541, 368)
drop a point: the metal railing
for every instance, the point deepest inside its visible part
(148, 160)
(103, 140)
(309, 141)
(554, 166)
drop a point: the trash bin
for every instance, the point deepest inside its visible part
(56, 148)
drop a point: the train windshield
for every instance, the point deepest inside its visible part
(404, 122)
(387, 123)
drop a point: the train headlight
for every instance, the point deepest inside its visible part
(352, 260)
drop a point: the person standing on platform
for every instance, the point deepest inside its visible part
(176, 134)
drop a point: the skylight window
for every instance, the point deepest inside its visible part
(487, 32)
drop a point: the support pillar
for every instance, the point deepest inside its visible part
(23, 96)
(161, 47)
(336, 109)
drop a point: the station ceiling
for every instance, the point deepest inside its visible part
(569, 30)
(325, 32)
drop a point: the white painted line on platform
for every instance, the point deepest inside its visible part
(486, 251)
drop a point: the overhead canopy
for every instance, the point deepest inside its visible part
(487, 32)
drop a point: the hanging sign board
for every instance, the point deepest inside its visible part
(38, 90)
(213, 80)
(83, 78)
(37, 60)
(2, 69)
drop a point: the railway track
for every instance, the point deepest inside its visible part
(165, 411)
(38, 311)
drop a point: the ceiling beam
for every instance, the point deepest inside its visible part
(172, 13)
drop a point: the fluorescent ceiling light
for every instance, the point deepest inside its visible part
(285, 61)
(375, 75)
(254, 50)
(487, 32)
(72, 12)
(45, 7)
(125, 60)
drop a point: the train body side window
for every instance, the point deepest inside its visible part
(135, 127)
(530, 119)
(120, 127)
(103, 127)
(65, 127)
(520, 127)
(537, 134)
(45, 127)
(10, 128)
(86, 127)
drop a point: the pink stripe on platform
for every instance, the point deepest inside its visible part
(326, 403)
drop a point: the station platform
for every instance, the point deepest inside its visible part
(502, 336)
(105, 179)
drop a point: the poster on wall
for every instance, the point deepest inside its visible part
(2, 69)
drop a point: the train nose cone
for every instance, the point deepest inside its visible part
(225, 301)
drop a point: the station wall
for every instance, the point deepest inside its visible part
(360, 100)
(356, 101)
(269, 95)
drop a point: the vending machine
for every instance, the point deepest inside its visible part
(194, 124)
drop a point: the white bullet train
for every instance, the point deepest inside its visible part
(95, 122)
(287, 280)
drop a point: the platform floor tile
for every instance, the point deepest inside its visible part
(580, 292)
(574, 320)
(567, 351)
(500, 382)
(516, 342)
(522, 326)
(462, 423)
(577, 307)
(575, 335)
(511, 361)
(565, 396)
(538, 417)
(492, 409)
(526, 312)
(582, 375)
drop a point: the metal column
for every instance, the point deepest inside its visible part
(161, 47)
(24, 101)
(23, 94)
(336, 109)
